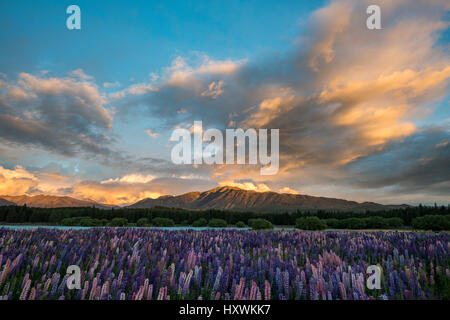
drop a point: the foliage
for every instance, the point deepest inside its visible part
(163, 222)
(310, 223)
(260, 224)
(432, 222)
(240, 224)
(217, 223)
(143, 222)
(118, 222)
(334, 219)
(202, 222)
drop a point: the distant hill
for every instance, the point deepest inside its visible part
(47, 201)
(232, 198)
(4, 202)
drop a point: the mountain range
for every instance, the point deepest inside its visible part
(4, 202)
(47, 201)
(233, 198)
(225, 198)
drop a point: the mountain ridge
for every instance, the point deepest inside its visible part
(236, 199)
(221, 198)
(4, 202)
(49, 201)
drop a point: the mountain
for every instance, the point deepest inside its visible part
(4, 202)
(232, 198)
(46, 201)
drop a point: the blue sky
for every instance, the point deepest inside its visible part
(119, 41)
(352, 104)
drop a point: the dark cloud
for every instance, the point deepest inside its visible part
(62, 115)
(420, 163)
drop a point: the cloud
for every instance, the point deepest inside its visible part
(134, 90)
(123, 190)
(80, 74)
(151, 133)
(16, 181)
(130, 178)
(185, 88)
(19, 181)
(214, 90)
(132, 188)
(111, 84)
(414, 165)
(288, 190)
(342, 94)
(63, 115)
(246, 185)
(113, 193)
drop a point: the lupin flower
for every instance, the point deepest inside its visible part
(139, 264)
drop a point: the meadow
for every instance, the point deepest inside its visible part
(143, 264)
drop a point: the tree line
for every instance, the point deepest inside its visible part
(24, 214)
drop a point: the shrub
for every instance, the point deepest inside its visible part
(202, 222)
(240, 224)
(376, 222)
(333, 223)
(394, 222)
(76, 221)
(432, 222)
(88, 222)
(260, 224)
(353, 223)
(66, 222)
(217, 223)
(310, 223)
(143, 222)
(118, 222)
(163, 222)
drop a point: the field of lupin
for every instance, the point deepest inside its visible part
(144, 264)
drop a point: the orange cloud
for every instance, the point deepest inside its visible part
(151, 134)
(259, 187)
(17, 181)
(114, 193)
(288, 190)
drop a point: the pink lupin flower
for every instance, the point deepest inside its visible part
(242, 286)
(150, 292)
(267, 290)
(237, 291)
(5, 271)
(105, 290)
(160, 294)
(342, 289)
(47, 284)
(146, 285)
(32, 294)
(94, 287)
(24, 294)
(253, 291)
(119, 280)
(85, 290)
(25, 279)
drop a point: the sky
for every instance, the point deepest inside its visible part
(363, 114)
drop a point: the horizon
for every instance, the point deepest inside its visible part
(209, 190)
(363, 115)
